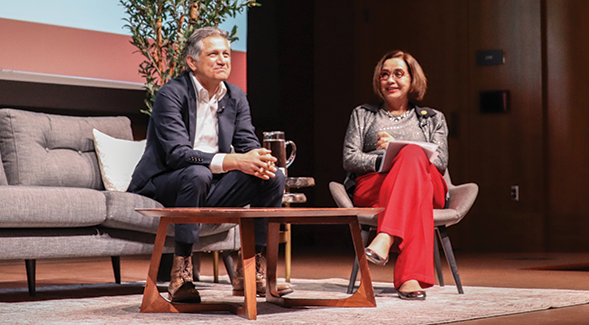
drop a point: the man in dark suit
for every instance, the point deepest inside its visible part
(202, 152)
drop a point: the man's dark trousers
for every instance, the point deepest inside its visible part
(197, 186)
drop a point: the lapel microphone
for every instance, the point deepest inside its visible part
(220, 110)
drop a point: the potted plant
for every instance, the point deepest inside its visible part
(159, 29)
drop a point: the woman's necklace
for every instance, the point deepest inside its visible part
(396, 118)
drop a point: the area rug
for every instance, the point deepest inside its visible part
(443, 305)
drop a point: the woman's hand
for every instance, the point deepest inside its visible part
(383, 139)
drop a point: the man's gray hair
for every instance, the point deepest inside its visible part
(194, 43)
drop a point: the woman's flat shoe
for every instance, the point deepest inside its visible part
(413, 295)
(374, 258)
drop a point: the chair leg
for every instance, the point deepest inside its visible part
(228, 261)
(365, 232)
(31, 271)
(116, 267)
(353, 276)
(443, 233)
(437, 262)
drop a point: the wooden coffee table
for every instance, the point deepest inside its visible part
(154, 302)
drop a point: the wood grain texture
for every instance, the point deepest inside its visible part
(567, 121)
(153, 302)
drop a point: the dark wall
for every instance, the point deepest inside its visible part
(494, 150)
(567, 123)
(280, 86)
(280, 75)
(539, 145)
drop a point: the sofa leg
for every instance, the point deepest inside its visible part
(31, 270)
(116, 267)
(215, 266)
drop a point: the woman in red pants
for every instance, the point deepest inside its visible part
(414, 185)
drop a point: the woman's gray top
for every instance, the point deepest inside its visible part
(421, 124)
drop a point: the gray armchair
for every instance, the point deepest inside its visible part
(461, 199)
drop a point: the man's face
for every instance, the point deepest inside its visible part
(214, 63)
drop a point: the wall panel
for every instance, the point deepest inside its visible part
(539, 145)
(506, 149)
(567, 24)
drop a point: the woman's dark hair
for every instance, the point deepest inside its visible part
(418, 79)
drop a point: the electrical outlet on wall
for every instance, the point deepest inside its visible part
(515, 192)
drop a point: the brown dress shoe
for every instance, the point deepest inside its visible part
(181, 288)
(283, 289)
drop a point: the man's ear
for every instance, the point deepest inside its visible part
(191, 63)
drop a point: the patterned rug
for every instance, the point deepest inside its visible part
(443, 305)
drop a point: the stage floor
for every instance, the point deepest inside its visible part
(515, 270)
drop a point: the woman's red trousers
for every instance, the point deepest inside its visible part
(409, 192)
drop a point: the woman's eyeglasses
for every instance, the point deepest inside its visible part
(397, 74)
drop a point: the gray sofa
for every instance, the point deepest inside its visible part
(52, 199)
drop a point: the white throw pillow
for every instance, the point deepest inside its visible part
(117, 159)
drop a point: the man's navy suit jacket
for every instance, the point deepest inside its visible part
(171, 131)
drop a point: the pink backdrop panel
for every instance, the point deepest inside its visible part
(50, 49)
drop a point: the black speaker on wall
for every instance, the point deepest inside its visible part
(495, 101)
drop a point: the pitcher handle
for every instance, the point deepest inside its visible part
(293, 153)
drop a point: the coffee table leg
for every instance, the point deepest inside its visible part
(248, 255)
(365, 290)
(363, 297)
(272, 255)
(152, 300)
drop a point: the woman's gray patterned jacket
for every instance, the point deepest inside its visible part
(360, 155)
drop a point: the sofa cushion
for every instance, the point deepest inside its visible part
(54, 150)
(42, 206)
(3, 180)
(120, 213)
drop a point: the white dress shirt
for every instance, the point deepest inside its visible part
(206, 138)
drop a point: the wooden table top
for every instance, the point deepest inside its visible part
(257, 212)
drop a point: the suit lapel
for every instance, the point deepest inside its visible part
(191, 108)
(226, 117)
